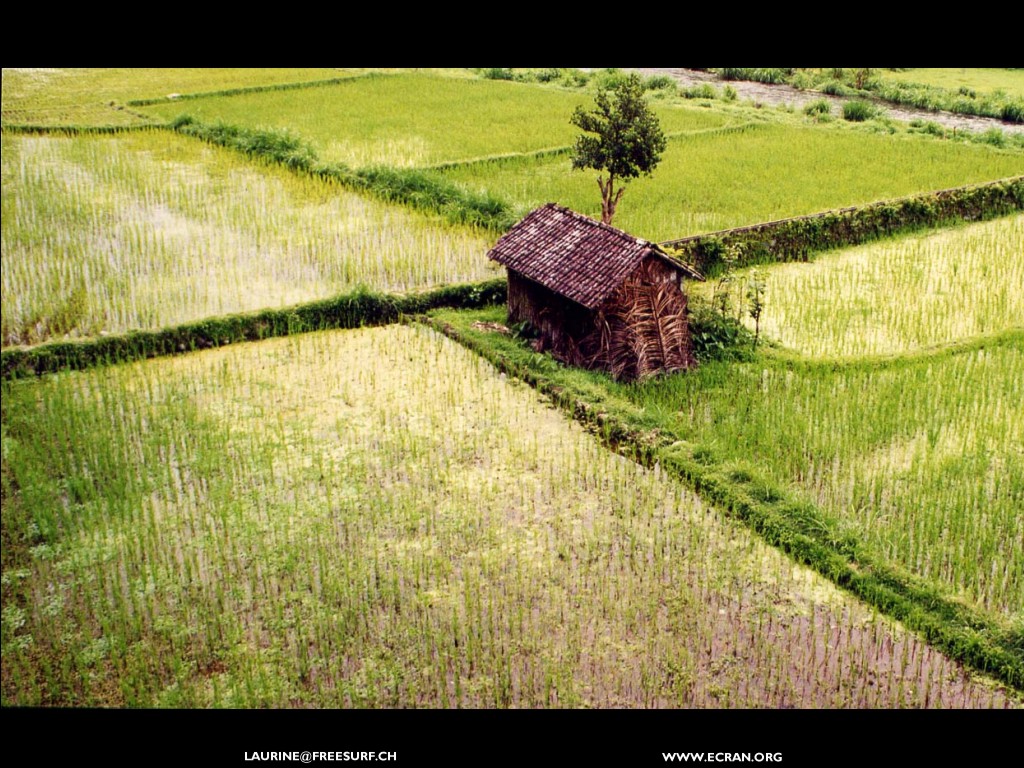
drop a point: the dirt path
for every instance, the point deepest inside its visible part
(786, 94)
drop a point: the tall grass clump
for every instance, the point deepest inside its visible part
(857, 111)
(818, 108)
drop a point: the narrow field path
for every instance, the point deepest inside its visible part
(786, 94)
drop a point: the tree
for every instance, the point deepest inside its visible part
(628, 141)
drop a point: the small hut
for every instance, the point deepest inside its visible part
(595, 296)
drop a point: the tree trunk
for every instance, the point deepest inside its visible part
(609, 198)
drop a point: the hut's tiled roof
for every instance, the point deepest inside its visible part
(573, 255)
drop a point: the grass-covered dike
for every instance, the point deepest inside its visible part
(351, 310)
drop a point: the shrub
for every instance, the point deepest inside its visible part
(731, 73)
(802, 81)
(993, 136)
(609, 78)
(770, 75)
(717, 336)
(930, 127)
(548, 75)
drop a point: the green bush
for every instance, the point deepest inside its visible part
(993, 137)
(770, 75)
(716, 336)
(575, 78)
(732, 73)
(270, 144)
(796, 238)
(802, 81)
(548, 75)
(420, 189)
(608, 79)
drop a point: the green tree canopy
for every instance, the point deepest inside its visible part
(627, 141)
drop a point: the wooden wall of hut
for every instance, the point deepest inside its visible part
(558, 322)
(640, 330)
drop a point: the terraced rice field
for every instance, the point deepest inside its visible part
(81, 96)
(378, 518)
(978, 79)
(731, 178)
(319, 521)
(407, 120)
(897, 295)
(105, 234)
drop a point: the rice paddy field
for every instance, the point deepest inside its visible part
(979, 79)
(95, 96)
(921, 456)
(897, 295)
(406, 120)
(911, 425)
(312, 522)
(761, 172)
(379, 518)
(105, 234)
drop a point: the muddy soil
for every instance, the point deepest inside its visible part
(777, 95)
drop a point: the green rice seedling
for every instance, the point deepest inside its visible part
(979, 79)
(745, 431)
(407, 120)
(898, 295)
(78, 96)
(107, 234)
(752, 174)
(917, 458)
(376, 518)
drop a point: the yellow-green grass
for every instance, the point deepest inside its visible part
(143, 230)
(82, 96)
(979, 79)
(892, 296)
(410, 119)
(720, 180)
(376, 518)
